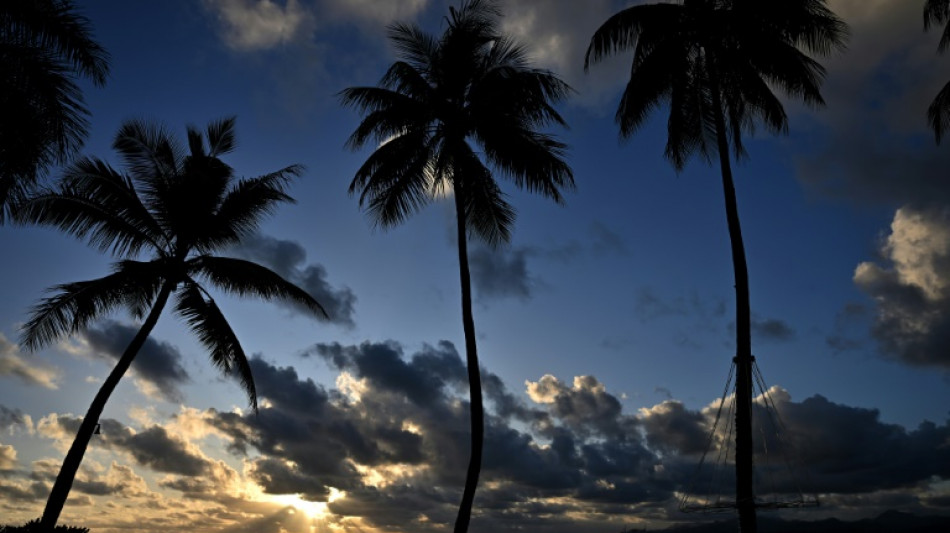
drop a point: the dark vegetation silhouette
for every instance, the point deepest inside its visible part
(177, 208)
(44, 46)
(469, 85)
(34, 526)
(714, 63)
(938, 114)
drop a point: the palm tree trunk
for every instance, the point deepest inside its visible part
(474, 376)
(745, 496)
(67, 473)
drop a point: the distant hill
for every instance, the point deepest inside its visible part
(888, 522)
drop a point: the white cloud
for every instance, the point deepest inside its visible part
(249, 25)
(7, 457)
(379, 12)
(34, 373)
(912, 293)
(557, 34)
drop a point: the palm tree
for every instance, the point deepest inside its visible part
(938, 114)
(44, 46)
(177, 209)
(715, 64)
(470, 85)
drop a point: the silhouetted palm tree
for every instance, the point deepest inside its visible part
(44, 46)
(938, 114)
(715, 64)
(177, 208)
(471, 85)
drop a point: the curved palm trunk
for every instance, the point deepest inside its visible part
(474, 376)
(64, 480)
(745, 497)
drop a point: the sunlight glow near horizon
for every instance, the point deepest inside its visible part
(313, 510)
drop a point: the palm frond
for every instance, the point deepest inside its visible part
(149, 152)
(246, 278)
(244, 206)
(389, 113)
(938, 114)
(488, 215)
(75, 305)
(222, 136)
(413, 44)
(621, 31)
(533, 161)
(395, 180)
(215, 334)
(96, 203)
(62, 30)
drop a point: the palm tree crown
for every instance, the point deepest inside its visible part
(446, 95)
(471, 84)
(938, 114)
(176, 208)
(44, 45)
(691, 53)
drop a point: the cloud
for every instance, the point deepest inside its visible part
(7, 457)
(13, 364)
(376, 12)
(557, 35)
(871, 144)
(772, 329)
(911, 292)
(287, 258)
(388, 446)
(501, 273)
(12, 418)
(248, 25)
(152, 447)
(158, 363)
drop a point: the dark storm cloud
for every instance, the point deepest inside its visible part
(874, 144)
(288, 259)
(152, 447)
(157, 362)
(500, 273)
(673, 429)
(394, 435)
(850, 450)
(421, 379)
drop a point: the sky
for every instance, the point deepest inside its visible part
(605, 327)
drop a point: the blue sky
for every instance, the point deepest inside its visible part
(605, 323)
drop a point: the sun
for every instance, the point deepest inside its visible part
(312, 510)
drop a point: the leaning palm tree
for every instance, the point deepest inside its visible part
(715, 64)
(938, 114)
(176, 209)
(470, 85)
(44, 46)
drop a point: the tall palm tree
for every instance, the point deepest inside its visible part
(938, 114)
(469, 86)
(44, 46)
(715, 63)
(176, 209)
